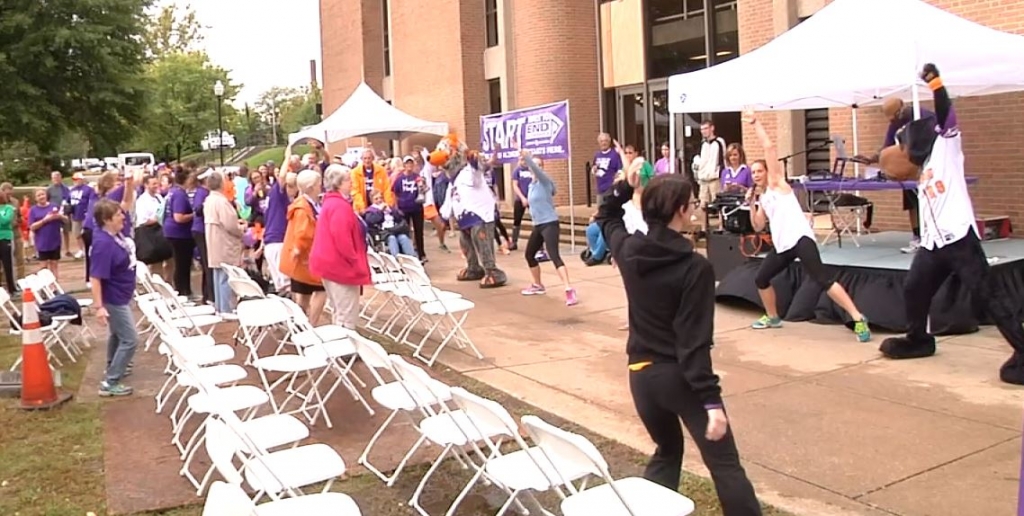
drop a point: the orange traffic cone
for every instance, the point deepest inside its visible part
(37, 389)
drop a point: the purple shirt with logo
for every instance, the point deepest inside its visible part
(608, 164)
(523, 177)
(116, 195)
(110, 263)
(177, 202)
(199, 222)
(47, 236)
(740, 176)
(276, 216)
(406, 190)
(80, 195)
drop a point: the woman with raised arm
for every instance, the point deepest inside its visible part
(773, 204)
(671, 292)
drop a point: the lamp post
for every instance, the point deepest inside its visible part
(218, 90)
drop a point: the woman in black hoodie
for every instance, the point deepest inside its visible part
(671, 293)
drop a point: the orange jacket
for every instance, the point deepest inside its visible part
(298, 242)
(381, 182)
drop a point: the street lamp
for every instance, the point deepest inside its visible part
(218, 90)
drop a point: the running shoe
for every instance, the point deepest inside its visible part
(534, 290)
(570, 297)
(766, 322)
(862, 330)
(444, 248)
(912, 248)
(108, 390)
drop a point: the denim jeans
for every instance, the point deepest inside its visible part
(400, 244)
(223, 297)
(121, 342)
(595, 240)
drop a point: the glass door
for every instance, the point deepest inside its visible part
(632, 109)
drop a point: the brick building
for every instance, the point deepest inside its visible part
(455, 60)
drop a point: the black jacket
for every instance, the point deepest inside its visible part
(671, 292)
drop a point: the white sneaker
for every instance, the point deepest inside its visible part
(88, 284)
(910, 249)
(79, 254)
(228, 316)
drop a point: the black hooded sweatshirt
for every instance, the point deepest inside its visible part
(671, 292)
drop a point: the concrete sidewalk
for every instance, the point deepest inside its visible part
(825, 426)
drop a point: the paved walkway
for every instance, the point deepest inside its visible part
(825, 426)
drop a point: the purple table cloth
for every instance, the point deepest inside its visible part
(864, 185)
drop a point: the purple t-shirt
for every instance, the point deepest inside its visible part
(662, 166)
(177, 202)
(406, 190)
(523, 177)
(47, 236)
(740, 176)
(116, 195)
(110, 263)
(80, 196)
(608, 164)
(199, 222)
(276, 216)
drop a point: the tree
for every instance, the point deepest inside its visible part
(296, 106)
(71, 64)
(173, 30)
(181, 106)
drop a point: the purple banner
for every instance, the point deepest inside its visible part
(543, 130)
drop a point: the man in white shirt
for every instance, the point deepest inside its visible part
(149, 208)
(709, 167)
(930, 150)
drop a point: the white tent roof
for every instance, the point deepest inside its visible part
(364, 113)
(855, 53)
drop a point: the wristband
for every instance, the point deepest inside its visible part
(935, 83)
(713, 406)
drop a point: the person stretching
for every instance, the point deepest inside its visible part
(774, 204)
(546, 231)
(950, 242)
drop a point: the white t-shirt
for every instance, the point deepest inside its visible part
(710, 160)
(786, 219)
(633, 219)
(469, 199)
(945, 209)
(147, 207)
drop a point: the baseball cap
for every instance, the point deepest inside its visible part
(78, 175)
(206, 174)
(407, 159)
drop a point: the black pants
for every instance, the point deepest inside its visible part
(182, 253)
(661, 397)
(518, 210)
(87, 244)
(200, 239)
(416, 217)
(7, 260)
(499, 228)
(806, 249)
(967, 260)
(545, 235)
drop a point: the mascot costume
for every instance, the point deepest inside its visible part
(929, 150)
(469, 203)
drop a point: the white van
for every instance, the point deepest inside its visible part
(136, 163)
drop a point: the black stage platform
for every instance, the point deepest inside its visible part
(873, 274)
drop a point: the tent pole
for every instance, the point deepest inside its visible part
(572, 199)
(671, 142)
(856, 166)
(917, 102)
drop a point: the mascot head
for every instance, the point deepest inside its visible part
(914, 142)
(450, 155)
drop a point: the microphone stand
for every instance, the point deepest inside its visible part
(785, 159)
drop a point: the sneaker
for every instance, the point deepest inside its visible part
(444, 248)
(534, 290)
(861, 329)
(766, 322)
(914, 245)
(108, 390)
(570, 297)
(79, 255)
(228, 316)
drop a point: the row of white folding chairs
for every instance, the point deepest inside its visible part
(227, 437)
(404, 287)
(51, 333)
(559, 461)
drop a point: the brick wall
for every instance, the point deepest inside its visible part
(990, 124)
(554, 62)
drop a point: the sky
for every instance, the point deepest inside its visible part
(245, 37)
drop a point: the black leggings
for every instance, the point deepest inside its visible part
(518, 210)
(204, 264)
(806, 249)
(965, 258)
(545, 235)
(7, 259)
(87, 244)
(416, 217)
(499, 228)
(182, 249)
(662, 397)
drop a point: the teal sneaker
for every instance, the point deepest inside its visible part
(108, 390)
(766, 322)
(861, 329)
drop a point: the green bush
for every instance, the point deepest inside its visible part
(25, 172)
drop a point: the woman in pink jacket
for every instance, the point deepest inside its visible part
(339, 248)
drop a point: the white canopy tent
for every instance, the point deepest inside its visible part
(364, 113)
(854, 53)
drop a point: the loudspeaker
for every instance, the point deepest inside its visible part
(724, 252)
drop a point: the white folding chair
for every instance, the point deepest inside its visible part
(452, 430)
(50, 288)
(60, 324)
(449, 315)
(230, 500)
(50, 337)
(633, 496)
(179, 316)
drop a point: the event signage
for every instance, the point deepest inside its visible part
(543, 130)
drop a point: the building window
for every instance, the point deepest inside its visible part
(387, 38)
(727, 34)
(491, 21)
(676, 41)
(494, 94)
(817, 135)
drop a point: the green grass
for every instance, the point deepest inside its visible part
(275, 154)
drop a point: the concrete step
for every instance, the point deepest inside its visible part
(565, 228)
